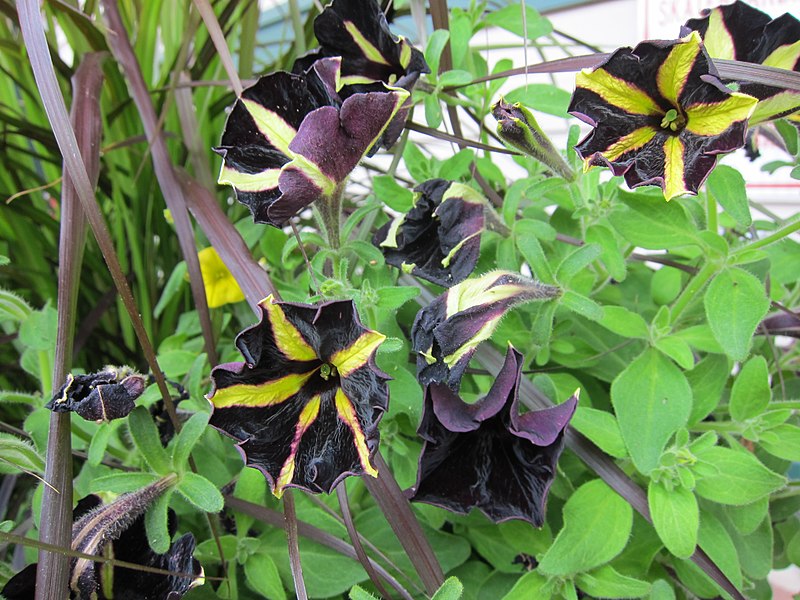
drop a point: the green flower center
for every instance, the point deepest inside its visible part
(673, 120)
(327, 371)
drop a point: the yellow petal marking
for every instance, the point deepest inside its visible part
(357, 354)
(713, 119)
(287, 338)
(268, 393)
(484, 333)
(369, 50)
(674, 71)
(475, 292)
(633, 141)
(348, 414)
(673, 168)
(307, 416)
(249, 182)
(271, 125)
(617, 92)
(784, 57)
(718, 40)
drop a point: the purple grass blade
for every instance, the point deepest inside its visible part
(744, 71)
(216, 35)
(198, 155)
(344, 504)
(460, 141)
(56, 519)
(290, 524)
(121, 47)
(274, 518)
(228, 243)
(397, 510)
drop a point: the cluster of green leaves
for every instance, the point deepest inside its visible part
(659, 325)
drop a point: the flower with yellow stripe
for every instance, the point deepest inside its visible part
(660, 114)
(304, 406)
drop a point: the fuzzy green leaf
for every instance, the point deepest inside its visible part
(262, 575)
(187, 438)
(652, 400)
(735, 303)
(726, 186)
(750, 394)
(392, 193)
(145, 436)
(18, 454)
(597, 523)
(676, 517)
(201, 492)
(605, 582)
(451, 589)
(600, 427)
(734, 477)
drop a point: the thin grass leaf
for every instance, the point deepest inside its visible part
(344, 504)
(290, 524)
(170, 187)
(215, 32)
(198, 154)
(461, 141)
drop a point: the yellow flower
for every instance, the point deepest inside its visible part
(221, 287)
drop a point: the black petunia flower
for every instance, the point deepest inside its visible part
(304, 407)
(291, 140)
(447, 332)
(660, 114)
(439, 239)
(739, 31)
(486, 455)
(357, 31)
(103, 396)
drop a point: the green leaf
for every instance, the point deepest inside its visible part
(366, 252)
(392, 193)
(145, 436)
(176, 363)
(201, 492)
(19, 455)
(576, 261)
(676, 517)
(99, 443)
(528, 244)
(676, 349)
(530, 585)
(416, 162)
(542, 97)
(156, 523)
(624, 322)
(187, 438)
(707, 381)
(605, 582)
(359, 593)
(451, 589)
(747, 518)
(433, 111)
(652, 400)
(582, 305)
(121, 483)
(457, 166)
(750, 394)
(171, 288)
(651, 223)
(734, 477)
(601, 428)
(392, 298)
(38, 331)
(262, 575)
(661, 590)
(716, 542)
(726, 186)
(34, 400)
(455, 77)
(13, 307)
(611, 256)
(665, 285)
(510, 18)
(433, 50)
(597, 523)
(735, 303)
(782, 441)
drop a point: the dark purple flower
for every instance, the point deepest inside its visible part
(291, 140)
(304, 407)
(447, 332)
(439, 239)
(104, 396)
(660, 114)
(739, 31)
(357, 31)
(488, 456)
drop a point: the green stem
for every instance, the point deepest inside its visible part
(690, 292)
(297, 26)
(777, 236)
(711, 213)
(329, 213)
